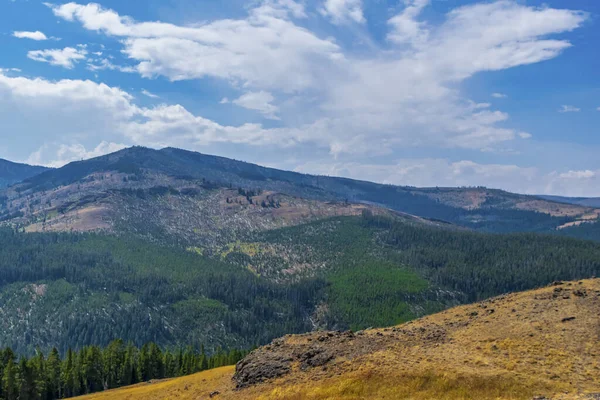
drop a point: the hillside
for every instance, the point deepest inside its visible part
(581, 201)
(539, 344)
(72, 289)
(88, 195)
(11, 173)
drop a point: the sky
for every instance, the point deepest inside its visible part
(503, 94)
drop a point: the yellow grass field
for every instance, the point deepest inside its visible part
(539, 343)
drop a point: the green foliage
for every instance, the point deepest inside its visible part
(587, 231)
(485, 265)
(68, 290)
(94, 369)
(382, 271)
(373, 294)
(367, 285)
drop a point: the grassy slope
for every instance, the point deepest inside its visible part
(521, 349)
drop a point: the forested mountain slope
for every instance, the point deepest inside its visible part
(70, 289)
(11, 173)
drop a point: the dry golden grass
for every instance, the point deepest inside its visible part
(512, 347)
(197, 386)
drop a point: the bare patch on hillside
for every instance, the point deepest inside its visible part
(87, 219)
(557, 209)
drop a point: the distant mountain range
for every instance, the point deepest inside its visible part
(581, 201)
(11, 173)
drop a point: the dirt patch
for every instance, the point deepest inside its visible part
(92, 218)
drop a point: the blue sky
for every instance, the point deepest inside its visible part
(419, 92)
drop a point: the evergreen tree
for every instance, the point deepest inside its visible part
(10, 386)
(53, 375)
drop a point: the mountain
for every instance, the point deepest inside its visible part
(181, 248)
(581, 201)
(89, 195)
(351, 272)
(11, 173)
(539, 344)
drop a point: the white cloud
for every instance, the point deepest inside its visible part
(343, 11)
(37, 35)
(76, 108)
(263, 50)
(106, 64)
(406, 29)
(58, 155)
(66, 108)
(499, 95)
(390, 98)
(258, 101)
(66, 57)
(586, 174)
(345, 102)
(149, 94)
(568, 109)
(431, 172)
(525, 135)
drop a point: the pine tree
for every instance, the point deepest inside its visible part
(53, 375)
(10, 386)
(27, 381)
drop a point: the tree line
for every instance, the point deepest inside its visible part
(94, 369)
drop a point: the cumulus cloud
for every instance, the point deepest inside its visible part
(568, 109)
(66, 58)
(263, 50)
(343, 11)
(37, 35)
(66, 108)
(258, 101)
(58, 155)
(395, 98)
(499, 95)
(406, 29)
(403, 94)
(96, 108)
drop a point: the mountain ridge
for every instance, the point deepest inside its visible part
(483, 209)
(11, 172)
